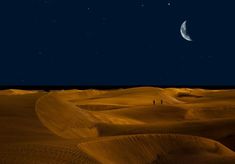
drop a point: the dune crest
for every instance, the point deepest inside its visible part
(64, 120)
(70, 121)
(158, 148)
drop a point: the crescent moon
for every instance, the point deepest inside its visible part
(183, 31)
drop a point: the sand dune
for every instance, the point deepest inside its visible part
(157, 149)
(40, 153)
(117, 126)
(17, 92)
(69, 121)
(18, 119)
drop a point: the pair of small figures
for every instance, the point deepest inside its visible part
(154, 102)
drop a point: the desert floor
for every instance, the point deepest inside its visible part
(117, 126)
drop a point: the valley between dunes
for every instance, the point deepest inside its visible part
(117, 126)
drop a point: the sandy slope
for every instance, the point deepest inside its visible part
(18, 120)
(25, 140)
(174, 116)
(70, 121)
(158, 148)
(117, 126)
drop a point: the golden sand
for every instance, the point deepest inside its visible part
(117, 126)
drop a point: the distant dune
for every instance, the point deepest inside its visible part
(117, 126)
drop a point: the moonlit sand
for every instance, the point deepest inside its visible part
(136, 125)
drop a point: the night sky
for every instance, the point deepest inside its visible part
(116, 42)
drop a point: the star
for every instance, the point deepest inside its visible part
(141, 4)
(169, 3)
(89, 10)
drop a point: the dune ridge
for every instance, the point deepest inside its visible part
(71, 122)
(117, 126)
(158, 148)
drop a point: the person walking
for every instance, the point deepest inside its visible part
(154, 102)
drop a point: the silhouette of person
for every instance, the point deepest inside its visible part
(161, 101)
(154, 102)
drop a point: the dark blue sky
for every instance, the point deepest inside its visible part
(116, 42)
